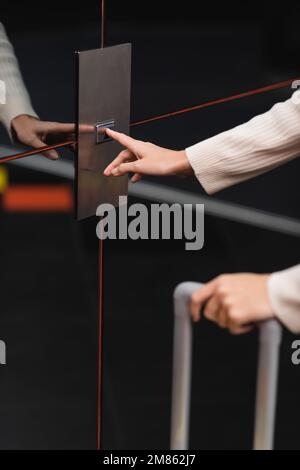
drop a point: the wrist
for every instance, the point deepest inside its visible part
(22, 118)
(268, 306)
(182, 164)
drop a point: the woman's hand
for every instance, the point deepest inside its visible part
(143, 158)
(234, 301)
(30, 131)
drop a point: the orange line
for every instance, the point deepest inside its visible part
(38, 198)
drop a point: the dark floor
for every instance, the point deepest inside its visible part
(49, 315)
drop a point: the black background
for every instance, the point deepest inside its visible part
(183, 53)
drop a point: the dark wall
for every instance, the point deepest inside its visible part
(49, 284)
(278, 21)
(59, 11)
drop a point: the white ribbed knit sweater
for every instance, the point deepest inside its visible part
(17, 98)
(263, 143)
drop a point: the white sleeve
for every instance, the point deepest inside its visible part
(15, 99)
(259, 145)
(284, 293)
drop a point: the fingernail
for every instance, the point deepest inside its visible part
(115, 172)
(54, 155)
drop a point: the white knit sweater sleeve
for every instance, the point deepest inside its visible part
(17, 100)
(263, 143)
(284, 293)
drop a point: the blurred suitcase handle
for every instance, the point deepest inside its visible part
(268, 366)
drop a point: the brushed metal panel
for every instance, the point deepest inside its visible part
(103, 94)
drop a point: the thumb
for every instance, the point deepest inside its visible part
(124, 168)
(51, 154)
(199, 298)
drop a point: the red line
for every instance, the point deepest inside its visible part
(100, 337)
(160, 117)
(103, 25)
(227, 99)
(100, 343)
(36, 151)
